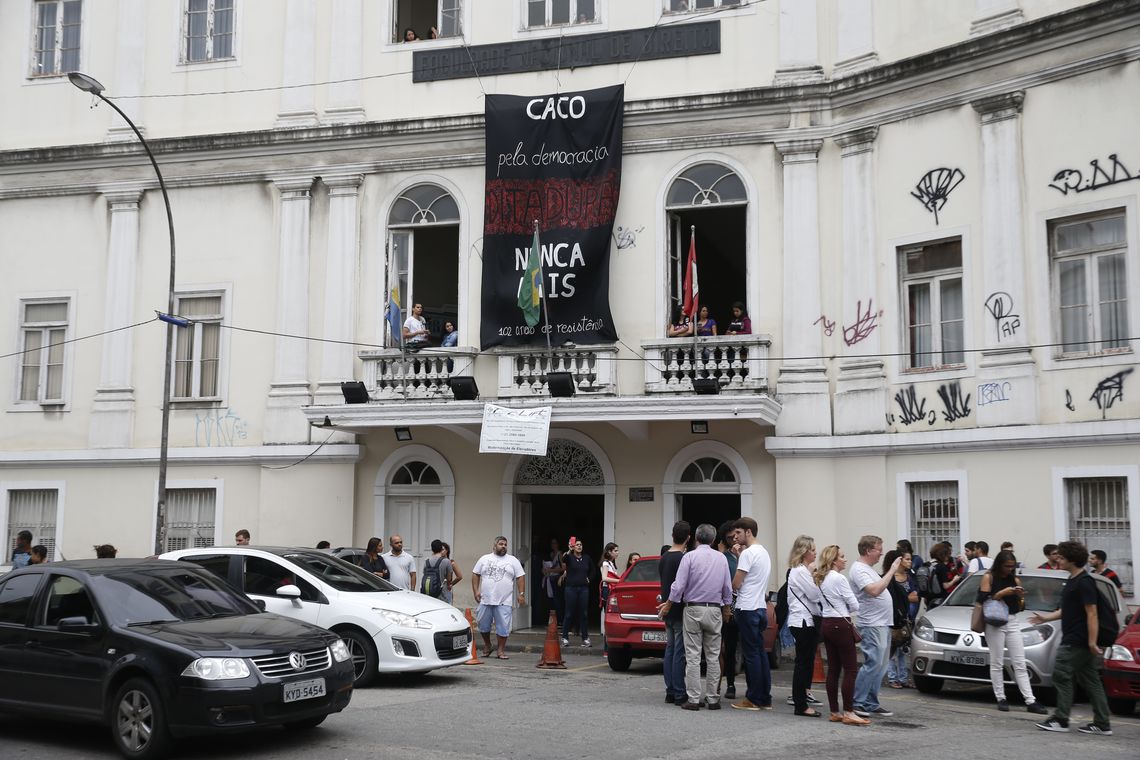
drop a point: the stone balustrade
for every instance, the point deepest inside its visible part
(737, 362)
(390, 374)
(522, 371)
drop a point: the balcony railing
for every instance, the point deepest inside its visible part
(737, 362)
(389, 374)
(522, 371)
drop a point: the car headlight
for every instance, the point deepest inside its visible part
(1038, 634)
(924, 630)
(217, 668)
(1118, 653)
(400, 619)
(339, 651)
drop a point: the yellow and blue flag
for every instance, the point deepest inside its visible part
(530, 293)
(394, 317)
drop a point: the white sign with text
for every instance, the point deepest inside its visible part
(514, 431)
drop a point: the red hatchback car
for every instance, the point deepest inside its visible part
(633, 628)
(1121, 674)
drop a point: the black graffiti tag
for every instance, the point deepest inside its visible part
(956, 406)
(1069, 401)
(935, 187)
(1000, 307)
(913, 408)
(1109, 391)
(1073, 180)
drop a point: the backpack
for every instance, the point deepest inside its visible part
(782, 603)
(929, 586)
(432, 583)
(1108, 626)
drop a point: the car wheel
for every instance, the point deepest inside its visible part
(619, 660)
(1121, 706)
(306, 724)
(138, 721)
(928, 685)
(364, 658)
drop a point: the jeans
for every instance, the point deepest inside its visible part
(702, 631)
(999, 639)
(577, 598)
(876, 646)
(806, 640)
(897, 669)
(840, 646)
(1077, 664)
(674, 664)
(752, 624)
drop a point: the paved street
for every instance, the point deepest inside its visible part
(508, 709)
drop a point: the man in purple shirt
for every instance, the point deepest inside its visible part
(703, 584)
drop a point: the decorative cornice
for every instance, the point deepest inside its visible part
(205, 455)
(342, 183)
(1006, 105)
(857, 140)
(294, 186)
(799, 151)
(123, 196)
(997, 22)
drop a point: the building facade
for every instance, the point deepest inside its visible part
(928, 211)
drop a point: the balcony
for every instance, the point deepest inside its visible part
(739, 363)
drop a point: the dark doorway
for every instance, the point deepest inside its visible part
(714, 509)
(559, 516)
(435, 276)
(721, 254)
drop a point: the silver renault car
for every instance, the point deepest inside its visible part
(944, 648)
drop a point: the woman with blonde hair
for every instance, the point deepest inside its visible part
(839, 604)
(803, 617)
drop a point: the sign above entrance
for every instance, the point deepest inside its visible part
(514, 431)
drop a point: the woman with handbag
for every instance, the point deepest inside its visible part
(904, 600)
(803, 621)
(1001, 597)
(839, 633)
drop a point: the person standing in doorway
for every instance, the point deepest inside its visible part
(241, 538)
(751, 586)
(492, 581)
(552, 583)
(874, 619)
(415, 329)
(577, 567)
(401, 564)
(674, 665)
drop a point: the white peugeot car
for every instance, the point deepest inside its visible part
(387, 629)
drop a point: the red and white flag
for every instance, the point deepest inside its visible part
(692, 290)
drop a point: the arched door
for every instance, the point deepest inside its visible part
(415, 507)
(423, 254)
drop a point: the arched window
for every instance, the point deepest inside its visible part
(708, 470)
(423, 254)
(710, 200)
(566, 463)
(415, 474)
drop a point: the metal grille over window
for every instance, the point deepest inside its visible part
(190, 518)
(566, 464)
(32, 509)
(934, 515)
(278, 666)
(1090, 283)
(1098, 517)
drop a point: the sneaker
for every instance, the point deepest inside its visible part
(586, 643)
(1003, 705)
(716, 706)
(669, 699)
(744, 704)
(1036, 708)
(690, 706)
(861, 712)
(565, 642)
(730, 692)
(1054, 724)
(1096, 730)
(811, 700)
(882, 712)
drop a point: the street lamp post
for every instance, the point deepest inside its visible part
(89, 84)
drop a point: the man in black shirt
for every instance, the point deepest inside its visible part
(1078, 655)
(577, 568)
(674, 666)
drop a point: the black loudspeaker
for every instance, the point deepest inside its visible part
(463, 388)
(354, 392)
(561, 384)
(706, 386)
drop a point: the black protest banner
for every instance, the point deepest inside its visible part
(555, 159)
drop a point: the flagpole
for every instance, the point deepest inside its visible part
(693, 318)
(542, 291)
(400, 326)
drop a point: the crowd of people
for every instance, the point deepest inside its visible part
(683, 326)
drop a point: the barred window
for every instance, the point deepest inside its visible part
(190, 518)
(934, 515)
(1098, 517)
(32, 509)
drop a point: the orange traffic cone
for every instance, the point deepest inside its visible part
(551, 649)
(474, 640)
(818, 675)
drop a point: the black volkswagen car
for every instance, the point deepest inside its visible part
(157, 650)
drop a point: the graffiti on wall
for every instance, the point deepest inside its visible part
(626, 237)
(934, 189)
(1110, 390)
(218, 427)
(955, 406)
(1000, 307)
(1075, 181)
(913, 409)
(994, 393)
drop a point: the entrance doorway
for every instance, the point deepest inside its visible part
(711, 508)
(559, 516)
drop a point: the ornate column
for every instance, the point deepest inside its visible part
(345, 63)
(130, 66)
(799, 44)
(992, 15)
(861, 386)
(1005, 357)
(855, 45)
(337, 359)
(113, 410)
(299, 65)
(289, 390)
(802, 386)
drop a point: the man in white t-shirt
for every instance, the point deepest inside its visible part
(751, 586)
(415, 329)
(492, 580)
(982, 559)
(401, 565)
(875, 617)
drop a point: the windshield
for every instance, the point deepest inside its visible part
(1041, 594)
(341, 575)
(155, 596)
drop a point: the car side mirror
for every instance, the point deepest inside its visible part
(78, 624)
(289, 591)
(260, 603)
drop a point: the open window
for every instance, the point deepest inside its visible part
(427, 19)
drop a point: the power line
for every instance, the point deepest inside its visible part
(76, 340)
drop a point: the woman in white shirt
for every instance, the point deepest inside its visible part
(803, 612)
(610, 576)
(839, 604)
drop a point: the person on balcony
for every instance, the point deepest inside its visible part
(681, 326)
(740, 324)
(450, 337)
(706, 325)
(416, 332)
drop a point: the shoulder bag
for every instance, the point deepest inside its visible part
(854, 631)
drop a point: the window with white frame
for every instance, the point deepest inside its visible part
(415, 20)
(197, 348)
(208, 30)
(931, 276)
(56, 37)
(933, 512)
(33, 510)
(1096, 511)
(543, 13)
(1090, 289)
(687, 6)
(44, 325)
(190, 518)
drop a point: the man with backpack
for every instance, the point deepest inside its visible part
(1087, 624)
(437, 569)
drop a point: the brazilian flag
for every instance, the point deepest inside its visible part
(530, 290)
